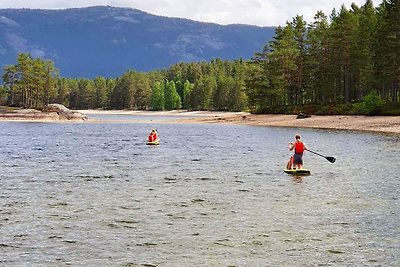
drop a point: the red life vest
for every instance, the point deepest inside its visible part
(151, 138)
(299, 147)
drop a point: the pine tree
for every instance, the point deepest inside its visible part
(157, 96)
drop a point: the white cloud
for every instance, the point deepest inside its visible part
(256, 12)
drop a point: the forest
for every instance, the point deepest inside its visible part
(344, 63)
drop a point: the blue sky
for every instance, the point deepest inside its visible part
(254, 12)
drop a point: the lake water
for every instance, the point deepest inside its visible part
(93, 194)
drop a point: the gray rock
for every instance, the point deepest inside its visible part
(66, 113)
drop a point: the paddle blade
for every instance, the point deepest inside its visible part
(331, 159)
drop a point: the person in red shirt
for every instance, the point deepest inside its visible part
(150, 138)
(153, 136)
(299, 147)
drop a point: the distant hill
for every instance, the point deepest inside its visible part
(107, 41)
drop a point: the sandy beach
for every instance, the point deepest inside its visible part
(383, 124)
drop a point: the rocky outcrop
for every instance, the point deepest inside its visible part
(66, 113)
(53, 112)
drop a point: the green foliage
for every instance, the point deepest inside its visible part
(157, 96)
(342, 60)
(131, 91)
(101, 93)
(3, 95)
(187, 90)
(31, 82)
(372, 104)
(391, 110)
(172, 100)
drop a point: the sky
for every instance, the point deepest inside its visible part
(253, 12)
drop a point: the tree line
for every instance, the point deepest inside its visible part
(345, 63)
(215, 85)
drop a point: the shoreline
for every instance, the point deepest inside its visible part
(377, 124)
(176, 113)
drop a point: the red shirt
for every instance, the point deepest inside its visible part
(299, 147)
(151, 138)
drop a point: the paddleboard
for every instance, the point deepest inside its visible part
(154, 143)
(298, 171)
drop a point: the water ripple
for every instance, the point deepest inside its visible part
(209, 195)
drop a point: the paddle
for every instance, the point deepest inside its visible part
(330, 159)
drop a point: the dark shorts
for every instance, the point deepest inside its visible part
(298, 159)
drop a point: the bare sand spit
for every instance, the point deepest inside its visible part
(161, 113)
(384, 124)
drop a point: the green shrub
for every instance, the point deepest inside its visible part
(358, 108)
(372, 104)
(391, 110)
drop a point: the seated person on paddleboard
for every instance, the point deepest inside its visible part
(298, 146)
(153, 136)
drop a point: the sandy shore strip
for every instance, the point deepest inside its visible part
(383, 124)
(177, 113)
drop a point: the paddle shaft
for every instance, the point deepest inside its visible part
(316, 153)
(330, 159)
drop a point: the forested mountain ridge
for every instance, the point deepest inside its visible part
(107, 41)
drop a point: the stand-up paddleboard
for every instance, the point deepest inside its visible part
(154, 143)
(298, 171)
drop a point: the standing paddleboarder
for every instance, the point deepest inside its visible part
(298, 146)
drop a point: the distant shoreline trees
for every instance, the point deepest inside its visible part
(30, 83)
(347, 64)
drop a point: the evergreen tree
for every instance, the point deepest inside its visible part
(122, 96)
(172, 99)
(3, 95)
(101, 93)
(10, 80)
(157, 96)
(363, 69)
(387, 50)
(63, 91)
(282, 58)
(74, 96)
(187, 89)
(343, 31)
(318, 69)
(299, 30)
(31, 82)
(142, 91)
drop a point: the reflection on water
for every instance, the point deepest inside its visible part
(209, 195)
(297, 179)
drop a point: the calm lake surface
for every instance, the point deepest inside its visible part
(93, 194)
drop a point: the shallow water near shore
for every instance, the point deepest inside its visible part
(86, 194)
